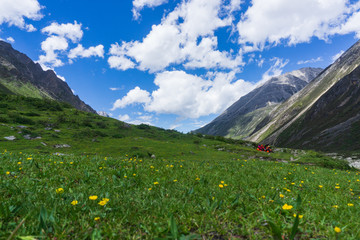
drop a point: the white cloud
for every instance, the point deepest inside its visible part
(51, 46)
(313, 60)
(124, 118)
(56, 44)
(336, 56)
(134, 96)
(172, 127)
(274, 21)
(187, 95)
(14, 12)
(185, 36)
(138, 5)
(275, 70)
(80, 51)
(352, 23)
(10, 39)
(116, 89)
(120, 63)
(70, 31)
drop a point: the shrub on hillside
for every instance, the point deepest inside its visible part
(143, 126)
(4, 119)
(17, 118)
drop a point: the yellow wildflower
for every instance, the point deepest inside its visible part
(350, 204)
(320, 186)
(221, 186)
(7, 173)
(156, 183)
(94, 197)
(300, 216)
(97, 218)
(282, 195)
(59, 190)
(337, 229)
(74, 202)
(287, 207)
(175, 180)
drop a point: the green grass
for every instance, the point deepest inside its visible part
(11, 85)
(111, 159)
(173, 197)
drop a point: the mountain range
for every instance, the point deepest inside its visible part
(309, 108)
(247, 114)
(21, 76)
(322, 113)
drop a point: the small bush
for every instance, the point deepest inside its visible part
(32, 114)
(4, 119)
(143, 126)
(118, 135)
(101, 124)
(17, 118)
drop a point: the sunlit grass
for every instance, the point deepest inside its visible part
(76, 197)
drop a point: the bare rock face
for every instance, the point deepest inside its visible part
(16, 66)
(10, 138)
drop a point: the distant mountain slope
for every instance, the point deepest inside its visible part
(332, 123)
(21, 76)
(324, 114)
(247, 114)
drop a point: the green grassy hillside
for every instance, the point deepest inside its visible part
(75, 175)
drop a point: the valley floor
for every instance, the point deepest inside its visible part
(82, 197)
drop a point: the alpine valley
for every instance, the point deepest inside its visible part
(67, 172)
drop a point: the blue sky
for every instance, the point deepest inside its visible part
(176, 63)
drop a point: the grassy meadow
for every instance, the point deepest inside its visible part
(120, 181)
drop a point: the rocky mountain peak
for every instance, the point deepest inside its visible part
(274, 91)
(17, 69)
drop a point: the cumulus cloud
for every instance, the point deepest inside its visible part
(56, 44)
(120, 63)
(313, 60)
(294, 21)
(51, 46)
(134, 96)
(10, 40)
(336, 56)
(124, 118)
(14, 12)
(185, 36)
(138, 5)
(187, 95)
(80, 51)
(70, 31)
